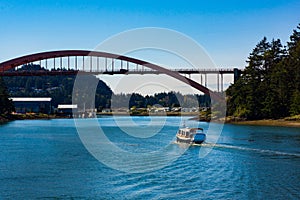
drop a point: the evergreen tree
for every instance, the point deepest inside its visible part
(247, 95)
(270, 84)
(293, 63)
(271, 102)
(295, 106)
(6, 105)
(294, 56)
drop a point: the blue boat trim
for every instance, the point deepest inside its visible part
(191, 135)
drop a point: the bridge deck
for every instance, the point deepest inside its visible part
(121, 71)
(94, 62)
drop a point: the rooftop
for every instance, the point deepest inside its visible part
(67, 106)
(31, 99)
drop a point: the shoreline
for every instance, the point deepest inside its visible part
(263, 122)
(267, 122)
(4, 119)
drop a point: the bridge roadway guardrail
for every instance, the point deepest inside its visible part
(116, 71)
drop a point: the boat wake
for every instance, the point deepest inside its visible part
(261, 151)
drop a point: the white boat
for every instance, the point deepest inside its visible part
(190, 135)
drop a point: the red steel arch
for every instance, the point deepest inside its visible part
(13, 63)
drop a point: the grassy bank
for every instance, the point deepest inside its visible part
(31, 116)
(288, 122)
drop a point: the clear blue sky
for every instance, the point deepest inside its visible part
(228, 30)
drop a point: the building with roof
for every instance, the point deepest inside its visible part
(67, 109)
(32, 104)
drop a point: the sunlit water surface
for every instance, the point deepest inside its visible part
(45, 159)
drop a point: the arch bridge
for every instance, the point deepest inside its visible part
(68, 62)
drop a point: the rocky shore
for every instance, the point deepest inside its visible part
(4, 119)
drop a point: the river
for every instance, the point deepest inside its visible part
(47, 159)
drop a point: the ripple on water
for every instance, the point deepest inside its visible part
(47, 160)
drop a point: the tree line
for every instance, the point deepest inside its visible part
(6, 106)
(60, 89)
(164, 99)
(269, 87)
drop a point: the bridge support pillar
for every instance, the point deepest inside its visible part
(222, 82)
(91, 63)
(60, 63)
(201, 80)
(76, 67)
(218, 82)
(54, 63)
(82, 63)
(68, 62)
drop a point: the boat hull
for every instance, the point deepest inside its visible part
(197, 139)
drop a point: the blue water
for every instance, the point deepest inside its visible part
(45, 159)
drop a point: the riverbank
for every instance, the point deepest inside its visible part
(287, 122)
(29, 116)
(148, 114)
(4, 119)
(32, 116)
(268, 122)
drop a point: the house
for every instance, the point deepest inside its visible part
(67, 109)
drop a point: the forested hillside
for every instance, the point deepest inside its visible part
(270, 85)
(170, 99)
(60, 88)
(6, 106)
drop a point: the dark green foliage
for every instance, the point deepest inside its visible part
(170, 99)
(58, 87)
(89, 93)
(269, 86)
(295, 106)
(6, 106)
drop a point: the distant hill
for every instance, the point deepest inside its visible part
(6, 106)
(58, 87)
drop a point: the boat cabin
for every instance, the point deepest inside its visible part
(189, 132)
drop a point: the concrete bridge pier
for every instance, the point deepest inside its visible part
(222, 82)
(218, 82)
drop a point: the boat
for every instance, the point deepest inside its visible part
(191, 135)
